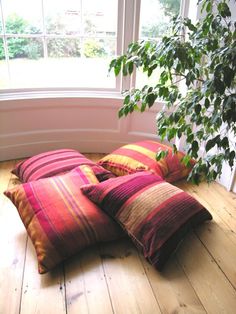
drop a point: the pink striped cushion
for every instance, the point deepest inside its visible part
(154, 213)
(59, 219)
(142, 156)
(56, 162)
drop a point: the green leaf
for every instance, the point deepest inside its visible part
(121, 112)
(210, 144)
(130, 67)
(195, 149)
(217, 102)
(207, 103)
(224, 9)
(219, 86)
(225, 142)
(175, 150)
(229, 75)
(150, 99)
(143, 106)
(209, 7)
(161, 154)
(117, 68)
(198, 108)
(127, 99)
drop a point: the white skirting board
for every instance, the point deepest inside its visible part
(30, 126)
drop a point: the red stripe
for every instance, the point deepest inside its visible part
(53, 236)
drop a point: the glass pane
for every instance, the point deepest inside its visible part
(61, 47)
(100, 17)
(23, 17)
(63, 17)
(25, 48)
(155, 19)
(69, 65)
(99, 48)
(26, 58)
(4, 77)
(75, 72)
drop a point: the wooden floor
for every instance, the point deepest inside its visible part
(113, 278)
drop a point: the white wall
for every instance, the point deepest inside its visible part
(89, 124)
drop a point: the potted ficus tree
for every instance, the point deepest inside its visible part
(203, 58)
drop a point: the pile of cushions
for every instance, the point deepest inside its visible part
(67, 202)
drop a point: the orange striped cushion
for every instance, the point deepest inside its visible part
(142, 156)
(59, 219)
(154, 213)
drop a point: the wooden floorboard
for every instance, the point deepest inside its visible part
(12, 245)
(200, 277)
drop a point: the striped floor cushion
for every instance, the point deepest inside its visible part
(59, 219)
(154, 213)
(142, 156)
(56, 162)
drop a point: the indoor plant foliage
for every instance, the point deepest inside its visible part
(203, 58)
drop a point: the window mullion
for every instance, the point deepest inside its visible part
(81, 29)
(45, 47)
(119, 38)
(130, 34)
(135, 35)
(5, 43)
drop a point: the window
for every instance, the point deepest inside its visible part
(51, 44)
(155, 17)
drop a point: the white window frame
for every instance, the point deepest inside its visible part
(127, 31)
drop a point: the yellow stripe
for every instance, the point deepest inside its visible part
(132, 214)
(88, 172)
(122, 164)
(141, 150)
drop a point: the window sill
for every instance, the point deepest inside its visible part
(60, 93)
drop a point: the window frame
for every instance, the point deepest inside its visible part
(127, 31)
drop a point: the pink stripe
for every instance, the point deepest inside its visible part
(34, 160)
(44, 221)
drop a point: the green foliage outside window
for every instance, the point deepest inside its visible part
(171, 7)
(93, 48)
(21, 47)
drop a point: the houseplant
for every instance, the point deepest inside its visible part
(203, 58)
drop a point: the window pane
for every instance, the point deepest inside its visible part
(63, 17)
(23, 17)
(79, 44)
(4, 78)
(63, 47)
(100, 17)
(155, 18)
(26, 55)
(99, 48)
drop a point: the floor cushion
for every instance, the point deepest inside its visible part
(56, 162)
(154, 213)
(59, 219)
(131, 158)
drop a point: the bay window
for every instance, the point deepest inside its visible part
(68, 44)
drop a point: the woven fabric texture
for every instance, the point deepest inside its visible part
(138, 156)
(59, 219)
(54, 163)
(154, 213)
